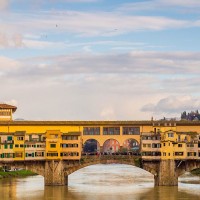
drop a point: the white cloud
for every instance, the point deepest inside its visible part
(9, 65)
(161, 5)
(87, 24)
(173, 104)
(12, 102)
(108, 113)
(185, 3)
(169, 65)
(4, 4)
(11, 40)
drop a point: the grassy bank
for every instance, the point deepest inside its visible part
(196, 172)
(20, 173)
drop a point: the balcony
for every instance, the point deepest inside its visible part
(8, 141)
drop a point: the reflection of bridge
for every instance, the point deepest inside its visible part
(56, 172)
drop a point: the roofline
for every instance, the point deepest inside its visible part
(7, 106)
(99, 123)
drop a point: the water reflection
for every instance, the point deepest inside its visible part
(113, 182)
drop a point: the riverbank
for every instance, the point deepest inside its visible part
(19, 173)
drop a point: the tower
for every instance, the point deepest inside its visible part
(6, 112)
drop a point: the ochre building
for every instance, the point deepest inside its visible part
(64, 140)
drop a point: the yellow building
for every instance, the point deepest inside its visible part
(167, 143)
(64, 140)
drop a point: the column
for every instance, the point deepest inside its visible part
(54, 173)
(167, 175)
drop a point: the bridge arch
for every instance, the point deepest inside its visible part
(111, 146)
(91, 146)
(187, 166)
(131, 145)
(71, 170)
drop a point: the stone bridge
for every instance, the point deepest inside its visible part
(56, 172)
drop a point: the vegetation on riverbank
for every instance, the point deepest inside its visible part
(196, 172)
(19, 173)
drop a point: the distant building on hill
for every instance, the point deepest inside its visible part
(192, 116)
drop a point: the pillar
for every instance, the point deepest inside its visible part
(54, 173)
(166, 175)
(101, 149)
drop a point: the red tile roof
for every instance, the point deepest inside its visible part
(6, 106)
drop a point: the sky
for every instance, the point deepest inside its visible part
(100, 59)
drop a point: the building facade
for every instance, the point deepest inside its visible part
(64, 140)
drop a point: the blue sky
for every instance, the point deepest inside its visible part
(100, 59)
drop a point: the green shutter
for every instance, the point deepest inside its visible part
(5, 146)
(32, 154)
(11, 146)
(9, 138)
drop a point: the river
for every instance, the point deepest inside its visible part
(101, 182)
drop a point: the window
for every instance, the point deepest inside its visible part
(190, 145)
(21, 145)
(5, 146)
(170, 135)
(39, 154)
(111, 130)
(180, 145)
(70, 137)
(9, 138)
(18, 154)
(52, 154)
(30, 138)
(155, 145)
(20, 138)
(68, 145)
(11, 146)
(69, 154)
(91, 130)
(16, 145)
(53, 145)
(178, 153)
(131, 130)
(164, 154)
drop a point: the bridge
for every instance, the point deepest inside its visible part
(55, 149)
(56, 172)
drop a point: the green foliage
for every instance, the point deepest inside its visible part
(20, 173)
(196, 172)
(138, 162)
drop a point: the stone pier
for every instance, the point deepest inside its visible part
(54, 173)
(166, 174)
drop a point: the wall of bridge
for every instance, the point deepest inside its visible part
(55, 172)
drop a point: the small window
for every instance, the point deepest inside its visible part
(170, 135)
(53, 145)
(9, 138)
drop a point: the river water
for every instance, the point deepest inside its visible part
(101, 182)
